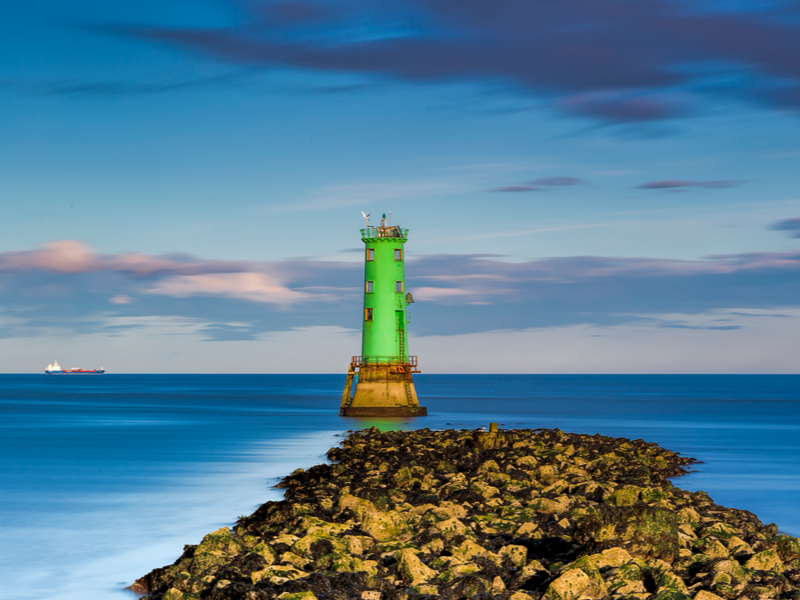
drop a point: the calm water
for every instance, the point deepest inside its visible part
(104, 478)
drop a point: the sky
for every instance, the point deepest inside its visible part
(590, 186)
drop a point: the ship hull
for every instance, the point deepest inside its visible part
(97, 372)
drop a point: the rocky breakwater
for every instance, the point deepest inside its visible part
(513, 515)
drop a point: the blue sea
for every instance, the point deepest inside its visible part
(103, 478)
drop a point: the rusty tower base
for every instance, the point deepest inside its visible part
(381, 389)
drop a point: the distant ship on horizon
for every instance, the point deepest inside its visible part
(55, 369)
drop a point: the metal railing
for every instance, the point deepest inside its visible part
(390, 231)
(384, 360)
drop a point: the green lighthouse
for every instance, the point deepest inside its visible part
(379, 382)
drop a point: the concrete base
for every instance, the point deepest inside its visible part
(384, 411)
(384, 393)
(381, 390)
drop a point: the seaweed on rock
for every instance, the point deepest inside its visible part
(511, 515)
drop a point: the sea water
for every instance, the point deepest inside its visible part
(103, 478)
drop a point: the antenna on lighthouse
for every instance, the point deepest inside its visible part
(366, 216)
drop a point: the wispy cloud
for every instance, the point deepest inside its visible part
(539, 184)
(618, 61)
(670, 184)
(792, 226)
(118, 88)
(516, 188)
(557, 181)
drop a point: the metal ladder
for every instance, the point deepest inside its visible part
(401, 336)
(407, 385)
(347, 397)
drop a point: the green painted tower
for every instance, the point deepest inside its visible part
(379, 382)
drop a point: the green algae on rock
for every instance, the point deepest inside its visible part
(511, 514)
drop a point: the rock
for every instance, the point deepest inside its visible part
(221, 542)
(720, 530)
(704, 595)
(767, 560)
(597, 587)
(515, 554)
(788, 547)
(488, 466)
(613, 557)
(266, 552)
(411, 568)
(360, 506)
(452, 528)
(667, 581)
(490, 439)
(654, 496)
(710, 547)
(689, 516)
(448, 510)
(458, 570)
(527, 463)
(630, 588)
(641, 530)
(483, 489)
(527, 529)
(737, 546)
(546, 474)
(434, 547)
(569, 586)
(280, 574)
(627, 495)
(468, 550)
(383, 527)
(534, 569)
(548, 505)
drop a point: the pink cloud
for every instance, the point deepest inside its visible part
(255, 287)
(178, 277)
(71, 256)
(434, 293)
(62, 256)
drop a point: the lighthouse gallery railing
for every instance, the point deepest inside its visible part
(384, 360)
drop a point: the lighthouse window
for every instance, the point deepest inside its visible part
(398, 287)
(368, 314)
(369, 287)
(398, 254)
(370, 253)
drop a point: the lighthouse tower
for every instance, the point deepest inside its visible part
(379, 382)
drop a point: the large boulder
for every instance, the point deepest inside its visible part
(641, 530)
(412, 569)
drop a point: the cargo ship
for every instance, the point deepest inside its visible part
(55, 369)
